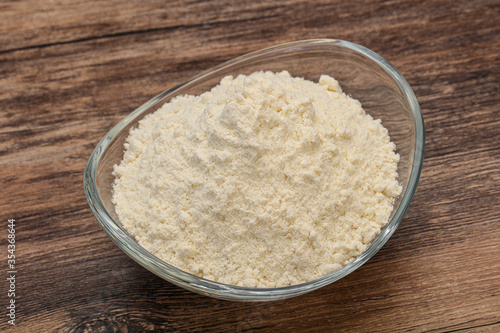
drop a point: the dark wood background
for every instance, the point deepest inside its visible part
(70, 70)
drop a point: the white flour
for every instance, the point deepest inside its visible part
(265, 181)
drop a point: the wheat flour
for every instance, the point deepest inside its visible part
(265, 181)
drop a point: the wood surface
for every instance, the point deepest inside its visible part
(70, 70)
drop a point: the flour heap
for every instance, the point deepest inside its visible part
(265, 181)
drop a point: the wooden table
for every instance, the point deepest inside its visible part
(70, 70)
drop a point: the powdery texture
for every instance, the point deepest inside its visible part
(265, 181)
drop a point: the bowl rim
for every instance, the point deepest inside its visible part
(229, 292)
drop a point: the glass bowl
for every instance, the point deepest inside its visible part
(362, 74)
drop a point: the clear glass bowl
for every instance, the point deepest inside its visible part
(363, 74)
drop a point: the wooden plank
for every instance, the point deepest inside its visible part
(32, 23)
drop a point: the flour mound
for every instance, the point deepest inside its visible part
(265, 181)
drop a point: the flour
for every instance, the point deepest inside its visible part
(265, 181)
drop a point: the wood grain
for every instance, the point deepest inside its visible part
(70, 70)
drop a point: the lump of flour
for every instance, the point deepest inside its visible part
(265, 181)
